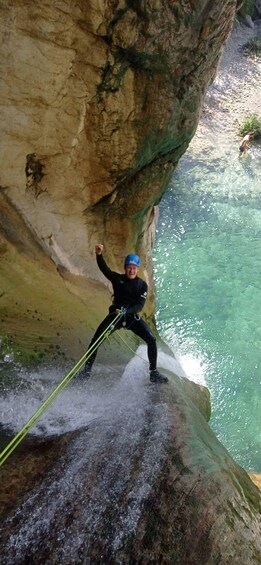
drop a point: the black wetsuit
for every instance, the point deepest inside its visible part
(130, 294)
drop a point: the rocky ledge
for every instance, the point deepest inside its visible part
(146, 482)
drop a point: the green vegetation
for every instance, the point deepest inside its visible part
(248, 8)
(17, 354)
(253, 46)
(251, 123)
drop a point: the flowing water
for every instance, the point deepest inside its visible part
(207, 268)
(99, 483)
(207, 271)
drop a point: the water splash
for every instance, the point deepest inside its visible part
(120, 449)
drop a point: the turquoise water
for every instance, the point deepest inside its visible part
(207, 273)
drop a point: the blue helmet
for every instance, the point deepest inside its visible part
(132, 259)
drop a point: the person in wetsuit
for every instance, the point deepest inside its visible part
(130, 293)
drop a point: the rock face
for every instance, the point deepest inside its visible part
(99, 101)
(145, 482)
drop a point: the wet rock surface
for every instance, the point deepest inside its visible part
(99, 104)
(144, 481)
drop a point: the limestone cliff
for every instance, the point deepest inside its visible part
(98, 102)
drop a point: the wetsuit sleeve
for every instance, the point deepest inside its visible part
(110, 275)
(141, 297)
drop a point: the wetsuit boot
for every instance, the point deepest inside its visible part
(157, 377)
(85, 372)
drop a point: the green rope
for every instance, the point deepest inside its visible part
(135, 352)
(132, 350)
(52, 397)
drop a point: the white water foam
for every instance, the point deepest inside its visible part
(126, 438)
(82, 401)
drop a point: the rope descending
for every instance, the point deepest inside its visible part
(52, 397)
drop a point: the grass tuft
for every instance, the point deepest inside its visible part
(252, 47)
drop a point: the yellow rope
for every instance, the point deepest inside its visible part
(135, 352)
(52, 397)
(129, 347)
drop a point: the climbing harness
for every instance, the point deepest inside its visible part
(52, 397)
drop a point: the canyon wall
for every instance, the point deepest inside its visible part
(99, 101)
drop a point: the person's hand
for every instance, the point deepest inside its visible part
(99, 248)
(121, 310)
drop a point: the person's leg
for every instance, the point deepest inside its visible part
(141, 329)
(97, 340)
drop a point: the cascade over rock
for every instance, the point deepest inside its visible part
(145, 482)
(99, 101)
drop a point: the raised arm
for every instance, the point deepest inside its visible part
(107, 272)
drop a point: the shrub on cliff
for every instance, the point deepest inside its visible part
(253, 46)
(248, 8)
(251, 123)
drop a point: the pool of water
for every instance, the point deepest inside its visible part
(207, 273)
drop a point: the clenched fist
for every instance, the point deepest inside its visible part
(99, 248)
